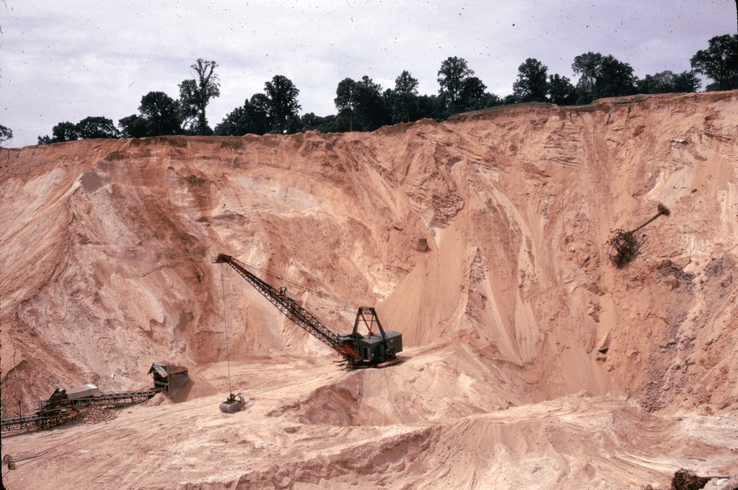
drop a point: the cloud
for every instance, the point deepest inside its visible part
(64, 60)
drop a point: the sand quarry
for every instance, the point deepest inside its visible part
(531, 361)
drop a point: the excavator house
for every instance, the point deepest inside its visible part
(377, 349)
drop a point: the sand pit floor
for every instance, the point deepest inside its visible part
(309, 426)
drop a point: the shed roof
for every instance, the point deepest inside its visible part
(164, 370)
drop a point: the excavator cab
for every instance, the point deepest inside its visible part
(376, 348)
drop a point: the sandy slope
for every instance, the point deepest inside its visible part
(318, 427)
(106, 257)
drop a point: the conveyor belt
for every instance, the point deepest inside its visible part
(112, 400)
(46, 417)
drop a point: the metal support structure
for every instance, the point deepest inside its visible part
(367, 316)
(299, 315)
(48, 416)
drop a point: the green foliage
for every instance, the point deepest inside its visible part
(251, 118)
(686, 81)
(719, 62)
(195, 94)
(273, 111)
(159, 115)
(258, 114)
(602, 76)
(451, 77)
(459, 90)
(667, 82)
(531, 84)
(87, 128)
(406, 84)
(472, 95)
(615, 79)
(162, 114)
(346, 101)
(96, 127)
(327, 124)
(560, 90)
(64, 131)
(360, 105)
(363, 106)
(405, 105)
(232, 124)
(586, 66)
(282, 95)
(6, 134)
(403, 100)
(133, 126)
(430, 106)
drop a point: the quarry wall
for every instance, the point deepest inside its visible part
(106, 248)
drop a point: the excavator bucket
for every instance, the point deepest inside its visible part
(233, 404)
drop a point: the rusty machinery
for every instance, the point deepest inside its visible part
(377, 349)
(65, 404)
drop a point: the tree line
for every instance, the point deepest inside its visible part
(364, 105)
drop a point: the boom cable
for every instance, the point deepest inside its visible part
(225, 320)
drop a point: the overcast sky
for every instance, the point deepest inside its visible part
(64, 60)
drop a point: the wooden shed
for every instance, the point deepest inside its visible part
(169, 378)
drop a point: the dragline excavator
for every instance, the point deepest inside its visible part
(360, 351)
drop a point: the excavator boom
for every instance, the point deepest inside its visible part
(291, 309)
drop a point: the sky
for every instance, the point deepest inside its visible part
(63, 60)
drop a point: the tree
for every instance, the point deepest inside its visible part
(257, 113)
(87, 128)
(133, 126)
(602, 76)
(325, 124)
(346, 100)
(615, 79)
(719, 62)
(667, 82)
(361, 104)
(162, 114)
(158, 115)
(560, 90)
(531, 84)
(405, 83)
(64, 131)
(431, 106)
(252, 118)
(454, 71)
(686, 81)
(6, 134)
(371, 109)
(275, 110)
(283, 106)
(195, 94)
(96, 127)
(404, 98)
(231, 124)
(586, 66)
(472, 96)
(489, 100)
